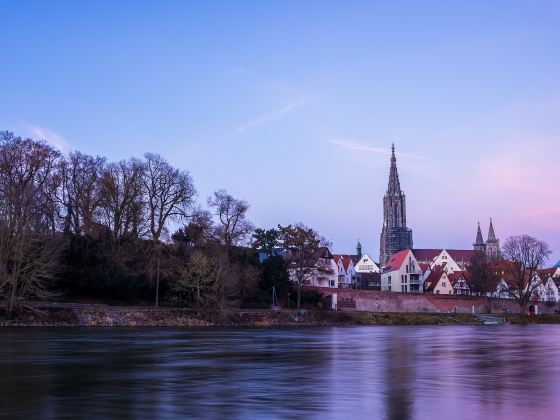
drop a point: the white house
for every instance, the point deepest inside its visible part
(402, 274)
(341, 272)
(460, 283)
(447, 261)
(366, 265)
(513, 292)
(548, 290)
(438, 282)
(350, 269)
(456, 259)
(502, 290)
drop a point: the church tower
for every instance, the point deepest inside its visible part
(395, 236)
(492, 243)
(479, 244)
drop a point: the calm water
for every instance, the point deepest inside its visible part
(442, 372)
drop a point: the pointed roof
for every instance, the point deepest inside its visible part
(346, 262)
(394, 187)
(479, 240)
(491, 234)
(433, 278)
(396, 260)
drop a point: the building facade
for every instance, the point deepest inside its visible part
(402, 274)
(395, 235)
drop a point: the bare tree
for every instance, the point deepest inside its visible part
(304, 250)
(483, 278)
(169, 195)
(525, 255)
(233, 227)
(80, 193)
(26, 257)
(121, 197)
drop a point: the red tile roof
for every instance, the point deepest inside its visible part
(396, 260)
(424, 266)
(547, 271)
(346, 262)
(453, 277)
(426, 255)
(461, 255)
(433, 278)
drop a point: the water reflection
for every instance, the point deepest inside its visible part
(433, 372)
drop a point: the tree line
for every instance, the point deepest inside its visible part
(78, 226)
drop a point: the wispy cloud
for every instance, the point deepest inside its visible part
(361, 147)
(41, 133)
(272, 116)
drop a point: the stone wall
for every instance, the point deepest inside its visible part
(377, 301)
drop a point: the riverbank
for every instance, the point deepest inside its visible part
(74, 315)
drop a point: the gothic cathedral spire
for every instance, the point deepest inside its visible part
(395, 236)
(491, 234)
(394, 187)
(479, 242)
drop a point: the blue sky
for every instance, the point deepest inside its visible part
(293, 106)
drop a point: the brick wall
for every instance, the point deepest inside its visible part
(377, 301)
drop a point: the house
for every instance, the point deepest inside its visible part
(438, 282)
(402, 273)
(548, 290)
(368, 281)
(366, 265)
(346, 272)
(507, 282)
(456, 259)
(324, 272)
(503, 289)
(340, 273)
(459, 282)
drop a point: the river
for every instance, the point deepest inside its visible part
(376, 372)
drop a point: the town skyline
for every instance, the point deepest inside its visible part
(473, 114)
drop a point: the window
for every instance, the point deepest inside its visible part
(405, 278)
(442, 284)
(389, 288)
(389, 280)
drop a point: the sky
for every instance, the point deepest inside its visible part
(293, 106)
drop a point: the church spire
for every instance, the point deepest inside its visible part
(394, 187)
(395, 236)
(491, 234)
(479, 240)
(479, 244)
